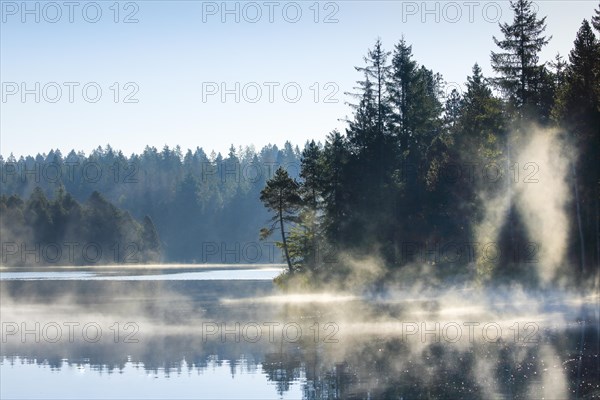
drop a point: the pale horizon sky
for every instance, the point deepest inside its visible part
(179, 53)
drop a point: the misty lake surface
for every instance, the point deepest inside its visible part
(240, 274)
(226, 332)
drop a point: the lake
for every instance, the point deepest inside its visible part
(226, 332)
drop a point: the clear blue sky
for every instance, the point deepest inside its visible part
(181, 51)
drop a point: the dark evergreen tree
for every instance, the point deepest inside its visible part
(310, 191)
(578, 102)
(416, 96)
(280, 196)
(377, 73)
(335, 195)
(151, 247)
(577, 109)
(371, 160)
(39, 217)
(481, 122)
(558, 68)
(596, 19)
(452, 111)
(518, 62)
(402, 87)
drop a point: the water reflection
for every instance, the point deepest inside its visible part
(242, 339)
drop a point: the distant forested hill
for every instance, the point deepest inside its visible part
(39, 231)
(206, 208)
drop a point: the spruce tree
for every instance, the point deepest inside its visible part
(377, 73)
(335, 188)
(577, 109)
(596, 19)
(518, 61)
(404, 71)
(311, 173)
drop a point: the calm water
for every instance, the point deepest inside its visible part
(225, 332)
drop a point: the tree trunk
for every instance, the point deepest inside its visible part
(285, 248)
(511, 216)
(597, 247)
(581, 242)
(597, 235)
(313, 227)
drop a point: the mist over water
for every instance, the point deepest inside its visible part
(483, 343)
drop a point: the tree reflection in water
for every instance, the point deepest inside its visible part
(370, 356)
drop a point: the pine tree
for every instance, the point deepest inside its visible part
(103, 221)
(310, 191)
(362, 129)
(426, 107)
(558, 67)
(376, 74)
(150, 241)
(38, 216)
(578, 101)
(596, 19)
(577, 109)
(280, 196)
(404, 71)
(452, 110)
(517, 64)
(415, 98)
(335, 187)
(482, 121)
(372, 151)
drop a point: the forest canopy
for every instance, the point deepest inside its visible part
(456, 182)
